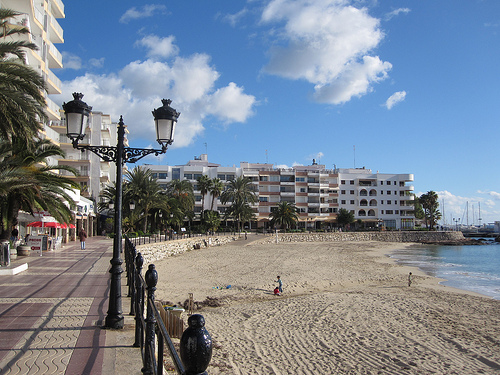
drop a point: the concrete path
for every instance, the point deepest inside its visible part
(51, 315)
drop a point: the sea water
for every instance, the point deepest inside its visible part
(474, 268)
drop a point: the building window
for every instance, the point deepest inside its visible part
(396, 212)
(300, 179)
(262, 178)
(197, 198)
(352, 201)
(388, 192)
(197, 176)
(389, 202)
(362, 213)
(342, 201)
(381, 182)
(176, 174)
(162, 176)
(274, 178)
(262, 199)
(188, 176)
(342, 182)
(230, 177)
(351, 182)
(351, 192)
(342, 191)
(154, 175)
(388, 212)
(302, 190)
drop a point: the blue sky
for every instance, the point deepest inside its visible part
(396, 86)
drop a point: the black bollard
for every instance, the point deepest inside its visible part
(196, 346)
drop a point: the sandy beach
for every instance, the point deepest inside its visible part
(346, 309)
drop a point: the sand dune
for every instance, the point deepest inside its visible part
(346, 309)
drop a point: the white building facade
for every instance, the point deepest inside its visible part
(378, 200)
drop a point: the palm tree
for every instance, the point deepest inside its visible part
(430, 204)
(41, 188)
(204, 183)
(144, 190)
(241, 192)
(22, 101)
(285, 215)
(182, 191)
(216, 189)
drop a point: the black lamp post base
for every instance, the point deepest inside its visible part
(114, 322)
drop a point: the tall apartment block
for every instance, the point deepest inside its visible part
(40, 17)
(377, 199)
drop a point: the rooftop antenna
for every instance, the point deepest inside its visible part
(354, 150)
(479, 213)
(206, 148)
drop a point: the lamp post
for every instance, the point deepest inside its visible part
(77, 119)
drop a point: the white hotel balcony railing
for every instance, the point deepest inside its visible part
(54, 78)
(56, 26)
(55, 52)
(39, 15)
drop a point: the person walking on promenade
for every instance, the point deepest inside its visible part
(409, 279)
(82, 236)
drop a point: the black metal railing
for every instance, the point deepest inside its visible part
(150, 331)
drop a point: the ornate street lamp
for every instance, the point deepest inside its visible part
(77, 119)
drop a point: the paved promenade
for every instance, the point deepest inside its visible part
(51, 315)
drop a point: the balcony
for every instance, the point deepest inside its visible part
(55, 57)
(56, 31)
(57, 8)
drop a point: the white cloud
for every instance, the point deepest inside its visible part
(231, 104)
(139, 87)
(328, 43)
(146, 11)
(97, 63)
(233, 19)
(397, 12)
(71, 61)
(159, 47)
(395, 98)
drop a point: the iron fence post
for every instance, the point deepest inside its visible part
(151, 279)
(196, 346)
(139, 301)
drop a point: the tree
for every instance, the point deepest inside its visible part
(182, 192)
(240, 192)
(285, 215)
(216, 189)
(430, 205)
(144, 190)
(41, 188)
(212, 220)
(241, 212)
(204, 183)
(345, 217)
(22, 102)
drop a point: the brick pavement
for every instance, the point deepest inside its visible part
(51, 315)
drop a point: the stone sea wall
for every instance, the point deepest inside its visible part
(390, 236)
(156, 251)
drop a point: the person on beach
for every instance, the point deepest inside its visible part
(409, 279)
(280, 285)
(277, 291)
(82, 235)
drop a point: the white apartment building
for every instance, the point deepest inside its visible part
(40, 17)
(382, 198)
(378, 200)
